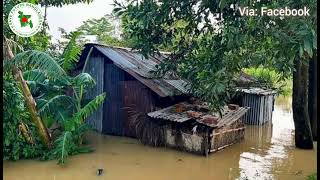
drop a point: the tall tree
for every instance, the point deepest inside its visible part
(312, 104)
(211, 41)
(103, 28)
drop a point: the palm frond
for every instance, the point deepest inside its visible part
(82, 82)
(39, 60)
(35, 75)
(83, 79)
(63, 147)
(72, 52)
(56, 106)
(89, 108)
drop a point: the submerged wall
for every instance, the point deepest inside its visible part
(206, 140)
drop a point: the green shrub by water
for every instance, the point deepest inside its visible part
(271, 79)
(312, 177)
(14, 144)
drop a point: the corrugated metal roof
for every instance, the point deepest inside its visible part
(169, 114)
(141, 68)
(257, 91)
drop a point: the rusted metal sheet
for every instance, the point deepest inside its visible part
(137, 100)
(139, 67)
(228, 117)
(169, 114)
(257, 91)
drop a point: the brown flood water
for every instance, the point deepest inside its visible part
(266, 153)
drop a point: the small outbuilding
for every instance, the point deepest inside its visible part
(261, 103)
(190, 126)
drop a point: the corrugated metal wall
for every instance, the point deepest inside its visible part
(137, 99)
(113, 107)
(122, 90)
(261, 107)
(96, 69)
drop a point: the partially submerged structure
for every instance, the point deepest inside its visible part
(131, 89)
(138, 104)
(193, 128)
(261, 103)
(260, 100)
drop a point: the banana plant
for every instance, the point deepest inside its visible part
(48, 82)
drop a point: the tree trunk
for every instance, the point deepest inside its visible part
(44, 25)
(30, 102)
(303, 135)
(312, 104)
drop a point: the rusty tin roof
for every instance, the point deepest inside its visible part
(257, 91)
(141, 68)
(169, 114)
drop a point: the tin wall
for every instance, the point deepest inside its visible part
(261, 107)
(96, 70)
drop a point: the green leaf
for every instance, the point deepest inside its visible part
(308, 46)
(301, 51)
(72, 52)
(83, 79)
(89, 108)
(39, 60)
(222, 3)
(64, 143)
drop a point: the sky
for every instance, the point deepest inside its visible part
(70, 17)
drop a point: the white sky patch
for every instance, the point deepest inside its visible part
(69, 17)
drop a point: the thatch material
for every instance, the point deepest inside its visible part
(149, 132)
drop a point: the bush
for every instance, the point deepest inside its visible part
(270, 79)
(312, 177)
(15, 146)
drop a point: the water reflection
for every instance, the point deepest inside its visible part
(266, 153)
(272, 147)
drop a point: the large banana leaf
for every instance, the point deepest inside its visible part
(89, 108)
(59, 107)
(35, 75)
(80, 83)
(71, 53)
(39, 60)
(63, 147)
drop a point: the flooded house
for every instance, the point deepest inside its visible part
(190, 126)
(130, 87)
(157, 111)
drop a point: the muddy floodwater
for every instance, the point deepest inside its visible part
(267, 152)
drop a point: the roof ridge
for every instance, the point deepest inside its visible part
(120, 47)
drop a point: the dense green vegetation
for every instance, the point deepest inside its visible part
(43, 102)
(271, 79)
(15, 145)
(209, 53)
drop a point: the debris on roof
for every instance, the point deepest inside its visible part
(182, 112)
